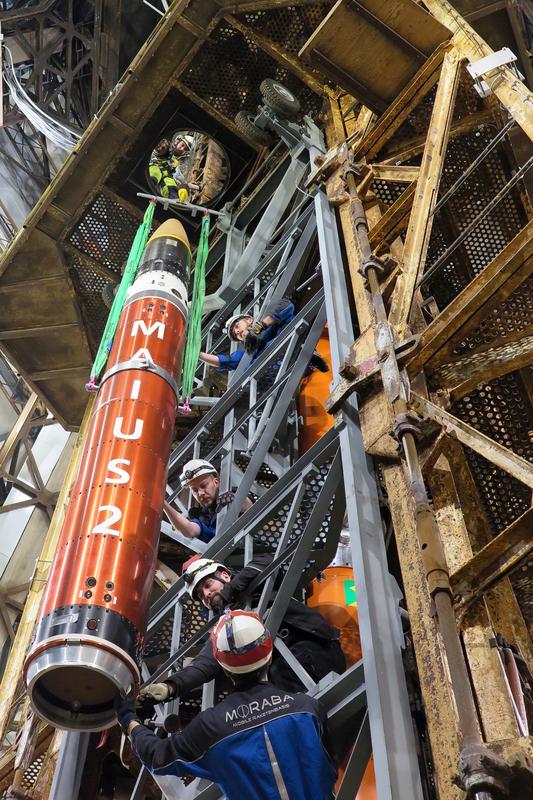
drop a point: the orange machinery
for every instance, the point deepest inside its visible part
(333, 595)
(88, 638)
(314, 390)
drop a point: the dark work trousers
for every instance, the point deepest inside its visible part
(317, 657)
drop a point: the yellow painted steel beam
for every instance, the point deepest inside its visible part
(404, 151)
(394, 221)
(490, 687)
(485, 363)
(391, 172)
(13, 670)
(494, 561)
(19, 429)
(492, 286)
(511, 92)
(421, 220)
(398, 111)
(279, 54)
(497, 454)
(375, 418)
(501, 601)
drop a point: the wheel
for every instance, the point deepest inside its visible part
(280, 99)
(245, 125)
(108, 294)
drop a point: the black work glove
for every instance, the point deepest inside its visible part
(317, 362)
(224, 500)
(125, 710)
(252, 341)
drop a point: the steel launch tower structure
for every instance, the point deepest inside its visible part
(395, 209)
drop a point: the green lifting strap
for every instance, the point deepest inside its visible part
(134, 258)
(194, 328)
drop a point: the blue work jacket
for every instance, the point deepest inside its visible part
(262, 743)
(283, 313)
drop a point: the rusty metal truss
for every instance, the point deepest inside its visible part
(466, 539)
(27, 746)
(431, 194)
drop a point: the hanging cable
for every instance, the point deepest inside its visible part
(55, 131)
(194, 329)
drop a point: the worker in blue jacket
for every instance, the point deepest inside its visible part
(256, 335)
(202, 478)
(260, 742)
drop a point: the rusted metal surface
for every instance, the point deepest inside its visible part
(501, 601)
(10, 686)
(497, 717)
(492, 716)
(512, 93)
(394, 221)
(366, 373)
(357, 40)
(432, 670)
(421, 219)
(487, 362)
(493, 451)
(490, 288)
(315, 82)
(419, 523)
(29, 776)
(495, 560)
(412, 147)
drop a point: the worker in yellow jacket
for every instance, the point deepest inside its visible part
(162, 170)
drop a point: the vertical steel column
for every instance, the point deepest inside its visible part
(70, 763)
(393, 742)
(263, 233)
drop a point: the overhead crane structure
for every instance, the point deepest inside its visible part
(397, 218)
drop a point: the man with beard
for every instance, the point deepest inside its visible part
(202, 479)
(260, 742)
(305, 632)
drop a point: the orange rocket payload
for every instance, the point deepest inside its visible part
(88, 638)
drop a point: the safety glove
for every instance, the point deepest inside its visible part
(125, 710)
(257, 327)
(252, 341)
(319, 363)
(224, 500)
(156, 693)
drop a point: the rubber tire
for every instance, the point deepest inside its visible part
(108, 294)
(246, 127)
(284, 105)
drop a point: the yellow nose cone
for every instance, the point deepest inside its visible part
(171, 229)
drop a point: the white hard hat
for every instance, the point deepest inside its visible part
(196, 570)
(195, 468)
(231, 322)
(240, 642)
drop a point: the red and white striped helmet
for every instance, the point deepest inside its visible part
(241, 643)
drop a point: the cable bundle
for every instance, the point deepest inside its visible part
(49, 127)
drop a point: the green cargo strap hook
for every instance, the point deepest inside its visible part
(194, 328)
(134, 258)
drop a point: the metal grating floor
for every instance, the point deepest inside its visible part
(236, 86)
